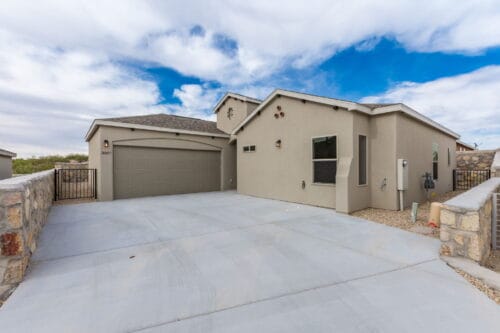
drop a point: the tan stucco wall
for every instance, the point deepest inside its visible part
(359, 195)
(383, 162)
(277, 173)
(5, 167)
(241, 110)
(414, 143)
(123, 136)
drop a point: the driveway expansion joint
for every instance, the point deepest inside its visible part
(293, 293)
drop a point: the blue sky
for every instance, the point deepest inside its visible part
(63, 64)
(354, 73)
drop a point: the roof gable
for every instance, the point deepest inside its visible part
(369, 109)
(235, 96)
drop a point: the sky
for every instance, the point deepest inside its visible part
(64, 63)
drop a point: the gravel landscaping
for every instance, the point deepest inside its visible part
(490, 292)
(493, 262)
(402, 219)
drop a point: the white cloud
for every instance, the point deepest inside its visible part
(48, 98)
(468, 104)
(59, 60)
(270, 34)
(195, 101)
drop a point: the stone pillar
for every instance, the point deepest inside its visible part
(466, 223)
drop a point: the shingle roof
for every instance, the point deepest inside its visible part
(7, 153)
(376, 105)
(170, 121)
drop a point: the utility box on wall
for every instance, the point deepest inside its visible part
(402, 170)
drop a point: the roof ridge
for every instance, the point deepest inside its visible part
(156, 114)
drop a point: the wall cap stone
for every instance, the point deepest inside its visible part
(19, 183)
(474, 198)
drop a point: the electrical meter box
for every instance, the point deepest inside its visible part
(402, 174)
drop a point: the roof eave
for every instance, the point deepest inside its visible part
(7, 153)
(96, 123)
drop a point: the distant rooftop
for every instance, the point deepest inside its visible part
(7, 153)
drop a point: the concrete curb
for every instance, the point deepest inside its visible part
(489, 277)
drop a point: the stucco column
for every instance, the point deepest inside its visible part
(344, 165)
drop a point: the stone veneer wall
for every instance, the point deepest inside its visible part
(466, 223)
(24, 206)
(475, 159)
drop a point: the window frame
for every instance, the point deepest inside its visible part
(324, 159)
(435, 148)
(249, 149)
(366, 160)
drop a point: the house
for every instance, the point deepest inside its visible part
(462, 146)
(291, 146)
(6, 163)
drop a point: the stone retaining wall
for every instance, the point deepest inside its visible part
(24, 206)
(475, 160)
(466, 223)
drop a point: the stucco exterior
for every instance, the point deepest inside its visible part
(5, 167)
(278, 173)
(6, 163)
(101, 158)
(268, 150)
(240, 110)
(414, 142)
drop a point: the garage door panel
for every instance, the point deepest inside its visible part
(140, 171)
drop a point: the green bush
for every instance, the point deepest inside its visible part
(36, 164)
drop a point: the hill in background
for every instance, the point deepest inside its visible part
(36, 164)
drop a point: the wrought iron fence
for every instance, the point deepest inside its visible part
(466, 179)
(75, 184)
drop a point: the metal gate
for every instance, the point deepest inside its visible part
(75, 184)
(466, 179)
(495, 222)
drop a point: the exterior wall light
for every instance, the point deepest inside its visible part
(106, 144)
(278, 143)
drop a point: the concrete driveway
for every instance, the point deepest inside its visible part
(223, 262)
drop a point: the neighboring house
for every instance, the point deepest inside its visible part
(462, 146)
(6, 163)
(291, 146)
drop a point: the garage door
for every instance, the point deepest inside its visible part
(140, 171)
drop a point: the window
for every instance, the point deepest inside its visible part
(230, 113)
(435, 159)
(325, 159)
(449, 157)
(362, 160)
(247, 149)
